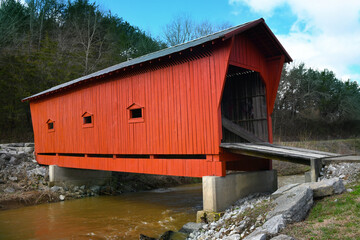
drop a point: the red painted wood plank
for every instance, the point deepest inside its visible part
(181, 111)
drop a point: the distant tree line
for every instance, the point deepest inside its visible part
(313, 104)
(47, 42)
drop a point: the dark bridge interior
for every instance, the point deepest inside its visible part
(243, 107)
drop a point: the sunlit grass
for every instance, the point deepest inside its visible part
(335, 217)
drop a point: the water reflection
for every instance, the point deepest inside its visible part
(105, 217)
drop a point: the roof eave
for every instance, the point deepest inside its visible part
(288, 59)
(225, 34)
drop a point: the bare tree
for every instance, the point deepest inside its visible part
(180, 30)
(85, 31)
(183, 29)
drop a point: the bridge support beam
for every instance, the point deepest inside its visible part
(314, 173)
(220, 192)
(77, 176)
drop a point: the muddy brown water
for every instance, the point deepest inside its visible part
(110, 217)
(105, 217)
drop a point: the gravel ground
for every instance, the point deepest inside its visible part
(285, 180)
(348, 172)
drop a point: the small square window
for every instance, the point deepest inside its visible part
(136, 113)
(87, 120)
(50, 125)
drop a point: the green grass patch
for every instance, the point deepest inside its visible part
(335, 217)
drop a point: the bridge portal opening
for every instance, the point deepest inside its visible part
(243, 107)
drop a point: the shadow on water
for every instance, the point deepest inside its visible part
(105, 217)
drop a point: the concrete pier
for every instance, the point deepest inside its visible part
(220, 192)
(78, 176)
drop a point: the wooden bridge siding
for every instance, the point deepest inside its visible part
(174, 167)
(274, 69)
(179, 118)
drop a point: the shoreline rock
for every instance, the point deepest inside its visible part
(290, 203)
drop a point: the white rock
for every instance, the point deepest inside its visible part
(233, 237)
(331, 168)
(294, 204)
(14, 160)
(283, 189)
(13, 179)
(40, 171)
(28, 150)
(62, 197)
(55, 188)
(191, 227)
(327, 187)
(283, 237)
(95, 189)
(258, 236)
(274, 225)
(9, 190)
(28, 144)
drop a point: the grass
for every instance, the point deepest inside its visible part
(341, 146)
(335, 217)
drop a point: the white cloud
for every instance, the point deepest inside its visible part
(325, 35)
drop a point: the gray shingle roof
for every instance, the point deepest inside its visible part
(152, 56)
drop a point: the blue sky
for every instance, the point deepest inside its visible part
(321, 33)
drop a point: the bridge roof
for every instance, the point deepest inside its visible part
(224, 34)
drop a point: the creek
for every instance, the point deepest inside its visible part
(105, 217)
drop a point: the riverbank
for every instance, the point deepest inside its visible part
(23, 182)
(272, 216)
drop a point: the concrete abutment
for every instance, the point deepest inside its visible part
(78, 176)
(220, 192)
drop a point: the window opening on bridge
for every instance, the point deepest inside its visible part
(88, 120)
(50, 125)
(136, 113)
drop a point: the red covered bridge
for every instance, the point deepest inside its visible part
(167, 112)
